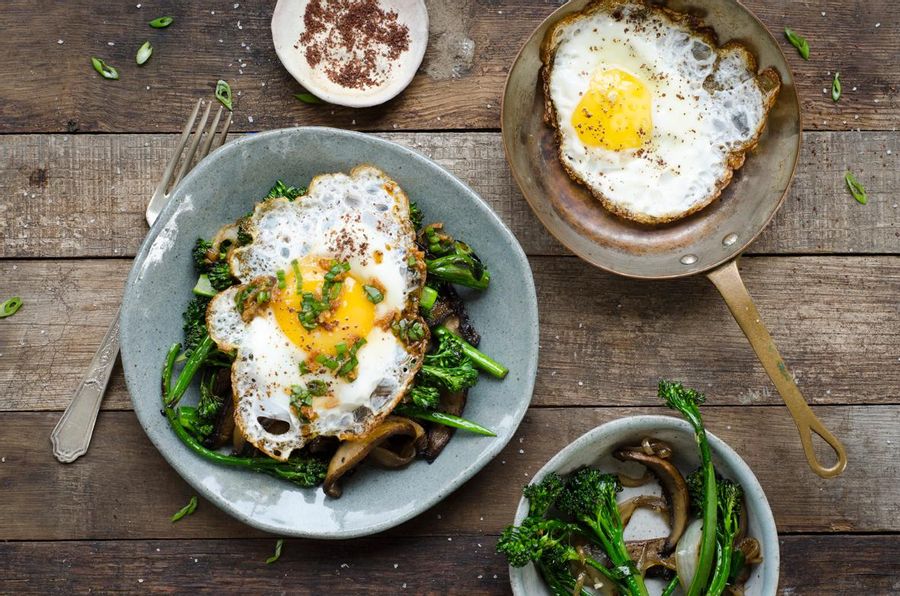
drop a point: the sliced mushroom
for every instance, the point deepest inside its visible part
(673, 485)
(648, 554)
(652, 502)
(224, 427)
(632, 482)
(352, 452)
(439, 434)
(450, 311)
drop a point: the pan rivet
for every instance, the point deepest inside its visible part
(688, 259)
(729, 239)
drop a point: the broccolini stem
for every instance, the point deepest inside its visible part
(670, 587)
(265, 465)
(191, 365)
(167, 370)
(479, 358)
(445, 419)
(721, 570)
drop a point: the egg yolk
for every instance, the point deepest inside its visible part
(614, 113)
(352, 319)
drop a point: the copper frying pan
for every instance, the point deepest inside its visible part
(710, 241)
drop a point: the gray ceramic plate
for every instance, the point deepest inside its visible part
(225, 186)
(594, 448)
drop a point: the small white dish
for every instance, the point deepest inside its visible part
(394, 75)
(595, 448)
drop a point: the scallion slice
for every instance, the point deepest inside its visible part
(106, 71)
(144, 52)
(161, 22)
(223, 93)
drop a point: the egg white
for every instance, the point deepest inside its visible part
(342, 218)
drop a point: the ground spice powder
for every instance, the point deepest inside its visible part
(354, 42)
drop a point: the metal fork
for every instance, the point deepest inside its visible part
(72, 434)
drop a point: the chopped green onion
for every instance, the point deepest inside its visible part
(203, 287)
(106, 71)
(445, 419)
(336, 269)
(280, 276)
(186, 510)
(340, 349)
(10, 307)
(262, 296)
(144, 52)
(161, 22)
(327, 361)
(359, 343)
(836, 87)
(428, 298)
(304, 367)
(798, 41)
(298, 278)
(348, 366)
(411, 261)
(308, 98)
(278, 544)
(373, 294)
(223, 93)
(317, 387)
(856, 189)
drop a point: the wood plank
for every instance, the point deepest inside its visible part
(472, 46)
(78, 196)
(465, 565)
(123, 489)
(605, 339)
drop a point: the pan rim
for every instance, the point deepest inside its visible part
(599, 263)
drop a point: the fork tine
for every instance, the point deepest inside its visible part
(173, 161)
(210, 135)
(189, 158)
(221, 139)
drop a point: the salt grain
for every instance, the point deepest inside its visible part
(250, 119)
(239, 25)
(396, 565)
(59, 41)
(110, 43)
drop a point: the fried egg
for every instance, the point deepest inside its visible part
(650, 114)
(357, 225)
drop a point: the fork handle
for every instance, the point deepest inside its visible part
(72, 434)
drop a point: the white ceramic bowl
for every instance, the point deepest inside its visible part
(595, 448)
(287, 26)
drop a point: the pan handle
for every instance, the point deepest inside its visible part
(728, 281)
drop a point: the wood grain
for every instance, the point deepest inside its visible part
(465, 565)
(79, 196)
(472, 46)
(124, 489)
(605, 340)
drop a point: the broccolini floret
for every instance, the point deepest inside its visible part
(220, 277)
(200, 252)
(590, 497)
(195, 323)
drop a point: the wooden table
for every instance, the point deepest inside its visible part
(79, 156)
